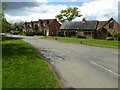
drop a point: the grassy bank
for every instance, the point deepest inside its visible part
(90, 42)
(24, 67)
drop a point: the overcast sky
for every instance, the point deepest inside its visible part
(46, 9)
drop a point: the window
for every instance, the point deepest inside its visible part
(111, 25)
(87, 32)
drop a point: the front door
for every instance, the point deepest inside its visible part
(46, 32)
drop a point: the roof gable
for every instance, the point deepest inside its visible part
(102, 24)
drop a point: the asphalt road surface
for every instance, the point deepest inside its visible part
(80, 66)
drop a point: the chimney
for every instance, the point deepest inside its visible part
(83, 20)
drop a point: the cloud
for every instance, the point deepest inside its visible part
(95, 10)
(41, 0)
(100, 9)
(43, 11)
(24, 0)
(74, 0)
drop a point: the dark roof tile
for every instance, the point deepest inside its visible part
(101, 24)
(79, 25)
(50, 21)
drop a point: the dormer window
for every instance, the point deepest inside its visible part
(111, 25)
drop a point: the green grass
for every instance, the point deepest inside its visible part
(90, 42)
(24, 67)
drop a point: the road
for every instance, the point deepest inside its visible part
(80, 66)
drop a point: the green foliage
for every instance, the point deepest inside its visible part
(14, 26)
(29, 33)
(22, 33)
(60, 33)
(38, 32)
(1, 15)
(118, 36)
(80, 36)
(17, 27)
(5, 25)
(114, 34)
(68, 15)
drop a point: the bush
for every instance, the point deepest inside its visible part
(29, 34)
(109, 38)
(60, 33)
(80, 36)
(118, 36)
(38, 32)
(56, 39)
(21, 33)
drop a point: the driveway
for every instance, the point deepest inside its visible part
(80, 66)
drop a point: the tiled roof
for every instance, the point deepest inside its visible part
(101, 24)
(50, 21)
(80, 25)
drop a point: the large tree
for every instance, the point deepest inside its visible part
(68, 15)
(5, 25)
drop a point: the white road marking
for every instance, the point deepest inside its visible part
(105, 68)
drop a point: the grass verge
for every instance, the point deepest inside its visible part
(24, 67)
(90, 42)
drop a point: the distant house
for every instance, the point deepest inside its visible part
(84, 28)
(48, 26)
(89, 28)
(108, 27)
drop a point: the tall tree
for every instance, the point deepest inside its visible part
(68, 15)
(5, 25)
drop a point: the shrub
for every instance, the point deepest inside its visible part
(38, 32)
(80, 36)
(60, 33)
(118, 36)
(56, 39)
(109, 38)
(29, 34)
(22, 33)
